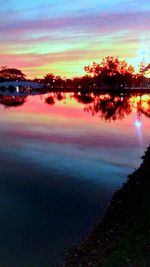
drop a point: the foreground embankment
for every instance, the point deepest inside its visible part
(122, 238)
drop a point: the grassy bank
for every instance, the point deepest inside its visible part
(122, 238)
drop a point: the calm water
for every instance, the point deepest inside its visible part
(62, 156)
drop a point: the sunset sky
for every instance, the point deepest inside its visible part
(63, 36)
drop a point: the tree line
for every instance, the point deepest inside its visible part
(110, 73)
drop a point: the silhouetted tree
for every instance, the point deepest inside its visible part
(49, 78)
(87, 82)
(67, 83)
(11, 74)
(76, 82)
(58, 81)
(83, 83)
(112, 72)
(38, 80)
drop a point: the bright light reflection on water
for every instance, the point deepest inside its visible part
(62, 156)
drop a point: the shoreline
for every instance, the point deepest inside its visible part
(28, 86)
(122, 238)
(96, 90)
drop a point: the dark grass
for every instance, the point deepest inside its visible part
(122, 238)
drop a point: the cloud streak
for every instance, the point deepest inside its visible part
(31, 34)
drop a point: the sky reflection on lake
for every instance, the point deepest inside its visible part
(59, 167)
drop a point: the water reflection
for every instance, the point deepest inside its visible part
(108, 107)
(84, 98)
(144, 105)
(111, 107)
(50, 100)
(60, 166)
(12, 101)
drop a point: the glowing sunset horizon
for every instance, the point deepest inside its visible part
(61, 38)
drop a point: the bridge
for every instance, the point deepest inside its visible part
(21, 84)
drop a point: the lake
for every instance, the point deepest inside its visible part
(62, 157)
